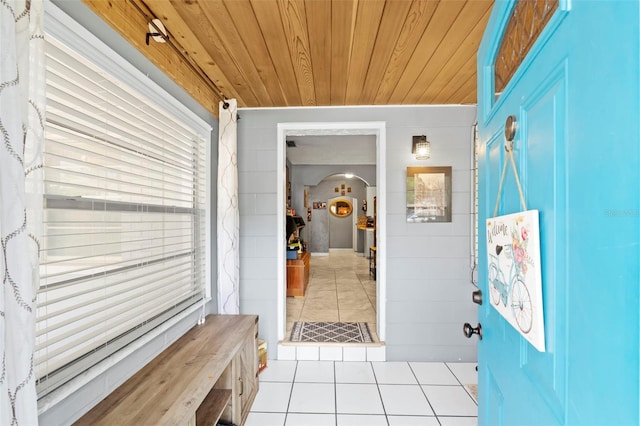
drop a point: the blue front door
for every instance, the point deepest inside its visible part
(575, 97)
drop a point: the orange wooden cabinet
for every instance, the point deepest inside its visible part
(298, 275)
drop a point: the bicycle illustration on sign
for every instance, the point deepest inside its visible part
(514, 275)
(512, 291)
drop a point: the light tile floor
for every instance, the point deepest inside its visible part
(340, 289)
(328, 393)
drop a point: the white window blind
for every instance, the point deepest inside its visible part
(124, 238)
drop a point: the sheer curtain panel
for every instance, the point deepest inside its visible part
(228, 213)
(21, 128)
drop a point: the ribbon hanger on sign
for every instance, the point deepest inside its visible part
(510, 127)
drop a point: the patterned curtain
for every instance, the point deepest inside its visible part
(228, 215)
(22, 101)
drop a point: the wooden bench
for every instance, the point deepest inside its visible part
(208, 375)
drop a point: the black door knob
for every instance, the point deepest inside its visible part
(470, 331)
(477, 297)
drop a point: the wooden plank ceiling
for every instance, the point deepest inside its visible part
(275, 53)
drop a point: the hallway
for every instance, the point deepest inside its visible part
(340, 289)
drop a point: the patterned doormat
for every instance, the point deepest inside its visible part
(331, 332)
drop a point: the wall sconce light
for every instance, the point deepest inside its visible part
(421, 148)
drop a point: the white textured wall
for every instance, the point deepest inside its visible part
(428, 279)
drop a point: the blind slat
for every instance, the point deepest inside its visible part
(125, 170)
(81, 315)
(132, 116)
(101, 128)
(72, 143)
(57, 359)
(79, 289)
(108, 330)
(65, 268)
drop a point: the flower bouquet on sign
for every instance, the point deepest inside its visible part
(515, 286)
(519, 244)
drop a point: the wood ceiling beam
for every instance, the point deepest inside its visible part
(123, 17)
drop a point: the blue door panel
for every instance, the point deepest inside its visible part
(495, 400)
(577, 149)
(543, 116)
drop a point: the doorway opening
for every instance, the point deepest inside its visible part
(376, 129)
(340, 287)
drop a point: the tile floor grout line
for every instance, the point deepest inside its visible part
(454, 374)
(295, 371)
(373, 305)
(375, 378)
(464, 386)
(422, 390)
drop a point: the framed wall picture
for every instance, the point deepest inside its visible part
(336, 189)
(428, 194)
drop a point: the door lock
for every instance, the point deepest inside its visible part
(510, 128)
(477, 297)
(470, 331)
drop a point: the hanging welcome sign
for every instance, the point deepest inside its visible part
(513, 256)
(515, 284)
